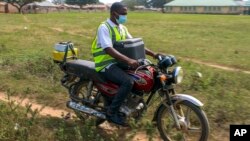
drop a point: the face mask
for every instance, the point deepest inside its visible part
(122, 19)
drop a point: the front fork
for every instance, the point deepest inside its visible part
(169, 103)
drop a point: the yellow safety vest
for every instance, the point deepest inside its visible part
(101, 58)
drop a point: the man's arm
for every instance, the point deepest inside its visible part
(150, 53)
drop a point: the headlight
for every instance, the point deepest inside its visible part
(177, 75)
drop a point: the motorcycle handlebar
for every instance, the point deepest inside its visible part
(140, 62)
(159, 57)
(143, 63)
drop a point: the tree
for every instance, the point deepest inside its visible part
(19, 4)
(141, 2)
(130, 3)
(81, 2)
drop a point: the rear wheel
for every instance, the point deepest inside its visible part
(85, 93)
(193, 121)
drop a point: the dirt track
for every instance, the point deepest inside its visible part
(105, 129)
(216, 65)
(49, 111)
(46, 111)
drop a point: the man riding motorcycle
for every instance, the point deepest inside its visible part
(105, 57)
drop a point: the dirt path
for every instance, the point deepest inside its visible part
(105, 129)
(216, 65)
(49, 111)
(46, 111)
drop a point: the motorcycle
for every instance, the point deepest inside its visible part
(178, 116)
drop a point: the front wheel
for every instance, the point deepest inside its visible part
(192, 119)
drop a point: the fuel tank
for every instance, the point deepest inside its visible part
(144, 81)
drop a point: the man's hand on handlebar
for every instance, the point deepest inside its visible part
(133, 63)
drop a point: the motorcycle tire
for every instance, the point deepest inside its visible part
(194, 123)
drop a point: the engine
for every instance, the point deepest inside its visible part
(133, 106)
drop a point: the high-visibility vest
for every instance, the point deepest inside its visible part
(101, 58)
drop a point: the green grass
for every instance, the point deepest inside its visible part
(219, 39)
(26, 66)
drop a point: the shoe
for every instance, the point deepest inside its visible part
(117, 119)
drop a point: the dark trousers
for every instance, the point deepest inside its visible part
(116, 75)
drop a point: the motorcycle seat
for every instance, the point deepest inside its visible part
(83, 69)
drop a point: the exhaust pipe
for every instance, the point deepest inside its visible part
(84, 109)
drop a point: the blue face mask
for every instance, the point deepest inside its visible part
(122, 19)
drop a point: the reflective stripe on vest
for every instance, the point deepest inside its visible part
(100, 57)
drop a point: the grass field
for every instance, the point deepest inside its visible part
(26, 66)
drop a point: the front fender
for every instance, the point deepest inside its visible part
(181, 97)
(178, 98)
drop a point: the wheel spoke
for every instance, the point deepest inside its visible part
(187, 116)
(184, 138)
